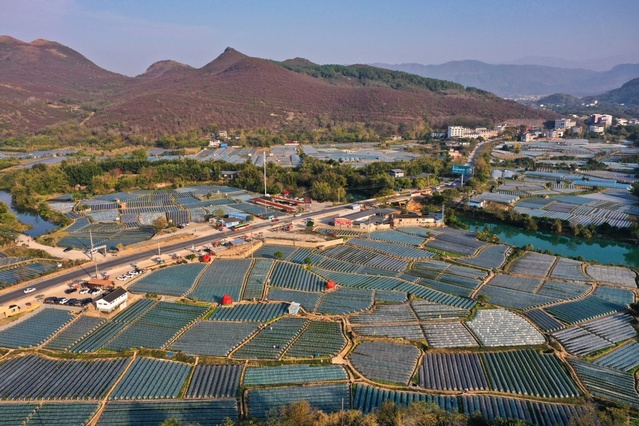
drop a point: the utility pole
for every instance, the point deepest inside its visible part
(93, 255)
(265, 193)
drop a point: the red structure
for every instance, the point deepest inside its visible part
(330, 284)
(227, 300)
(206, 258)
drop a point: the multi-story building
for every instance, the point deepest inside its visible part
(564, 123)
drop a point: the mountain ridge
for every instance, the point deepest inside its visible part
(514, 80)
(47, 83)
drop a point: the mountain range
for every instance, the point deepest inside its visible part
(623, 101)
(43, 83)
(515, 81)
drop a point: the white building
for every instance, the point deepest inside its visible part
(601, 119)
(116, 298)
(596, 128)
(457, 132)
(397, 173)
(564, 123)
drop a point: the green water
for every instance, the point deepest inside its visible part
(602, 251)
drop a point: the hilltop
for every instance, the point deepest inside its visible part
(45, 83)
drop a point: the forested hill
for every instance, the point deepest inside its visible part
(366, 75)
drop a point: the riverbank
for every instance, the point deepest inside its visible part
(592, 250)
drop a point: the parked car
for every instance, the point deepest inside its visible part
(29, 290)
(96, 292)
(51, 300)
(71, 302)
(62, 301)
(122, 278)
(70, 290)
(84, 291)
(67, 249)
(86, 301)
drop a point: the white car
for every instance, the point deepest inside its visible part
(122, 278)
(62, 301)
(29, 290)
(84, 291)
(96, 292)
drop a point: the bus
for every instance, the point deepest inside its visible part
(240, 226)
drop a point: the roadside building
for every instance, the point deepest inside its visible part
(397, 173)
(229, 174)
(414, 219)
(117, 298)
(363, 216)
(564, 123)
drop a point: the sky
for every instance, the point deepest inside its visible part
(127, 36)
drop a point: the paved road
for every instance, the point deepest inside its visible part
(113, 262)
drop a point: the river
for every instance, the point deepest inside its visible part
(599, 250)
(39, 226)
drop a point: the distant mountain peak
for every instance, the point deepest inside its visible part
(160, 67)
(299, 61)
(226, 59)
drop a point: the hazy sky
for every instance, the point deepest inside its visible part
(127, 36)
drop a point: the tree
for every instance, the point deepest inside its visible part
(219, 213)
(160, 223)
(278, 255)
(483, 299)
(310, 224)
(308, 261)
(557, 227)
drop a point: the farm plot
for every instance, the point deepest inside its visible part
(427, 311)
(319, 339)
(624, 358)
(452, 372)
(456, 241)
(491, 257)
(173, 281)
(308, 300)
(411, 332)
(514, 298)
(224, 276)
(214, 381)
(268, 251)
(295, 277)
(390, 296)
(534, 264)
(453, 289)
(149, 378)
(361, 281)
(214, 338)
(544, 321)
(364, 257)
(53, 413)
(616, 295)
(345, 301)
(336, 265)
(24, 272)
(101, 335)
(615, 328)
(203, 413)
(157, 326)
(74, 332)
(293, 375)
(369, 398)
(436, 296)
(581, 342)
(532, 412)
(33, 377)
(34, 329)
(392, 249)
(416, 230)
(393, 236)
(529, 373)
(272, 340)
(384, 361)
(613, 275)
(386, 314)
(568, 269)
(527, 285)
(250, 312)
(585, 309)
(327, 398)
(499, 327)
(450, 334)
(257, 279)
(563, 290)
(607, 383)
